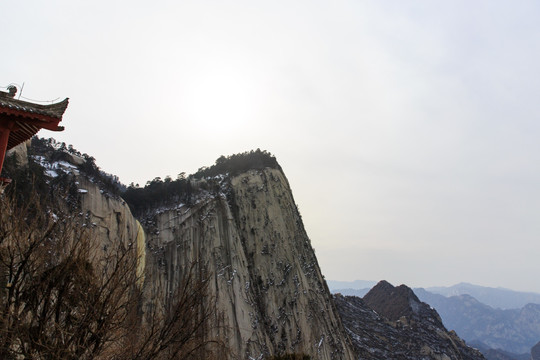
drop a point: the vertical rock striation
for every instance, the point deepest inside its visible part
(270, 293)
(109, 216)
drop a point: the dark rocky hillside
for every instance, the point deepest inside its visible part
(392, 323)
(395, 303)
(535, 352)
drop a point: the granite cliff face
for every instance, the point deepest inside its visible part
(243, 229)
(391, 323)
(107, 214)
(270, 293)
(110, 217)
(271, 297)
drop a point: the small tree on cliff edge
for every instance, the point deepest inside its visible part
(63, 297)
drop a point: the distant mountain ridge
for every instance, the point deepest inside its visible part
(351, 288)
(490, 318)
(498, 298)
(356, 284)
(513, 330)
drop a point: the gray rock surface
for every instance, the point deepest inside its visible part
(535, 352)
(21, 154)
(391, 323)
(270, 293)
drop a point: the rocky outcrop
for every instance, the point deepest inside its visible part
(112, 222)
(270, 293)
(391, 323)
(20, 152)
(400, 304)
(109, 216)
(106, 214)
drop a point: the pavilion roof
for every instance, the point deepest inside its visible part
(28, 118)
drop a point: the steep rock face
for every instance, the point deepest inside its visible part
(391, 323)
(109, 216)
(20, 152)
(112, 222)
(271, 296)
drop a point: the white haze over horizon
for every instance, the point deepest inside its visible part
(408, 130)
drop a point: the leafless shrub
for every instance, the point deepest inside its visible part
(62, 297)
(178, 326)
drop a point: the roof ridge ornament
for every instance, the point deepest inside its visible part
(12, 90)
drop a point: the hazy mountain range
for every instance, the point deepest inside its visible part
(513, 330)
(488, 318)
(498, 298)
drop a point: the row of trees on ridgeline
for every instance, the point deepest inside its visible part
(161, 192)
(156, 192)
(238, 163)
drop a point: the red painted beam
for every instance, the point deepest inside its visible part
(29, 115)
(49, 125)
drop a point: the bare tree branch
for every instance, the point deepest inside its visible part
(63, 297)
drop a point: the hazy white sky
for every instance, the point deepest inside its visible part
(409, 130)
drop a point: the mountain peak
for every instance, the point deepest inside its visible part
(393, 302)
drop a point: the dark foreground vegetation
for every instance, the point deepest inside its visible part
(63, 296)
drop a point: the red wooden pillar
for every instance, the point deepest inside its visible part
(4, 137)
